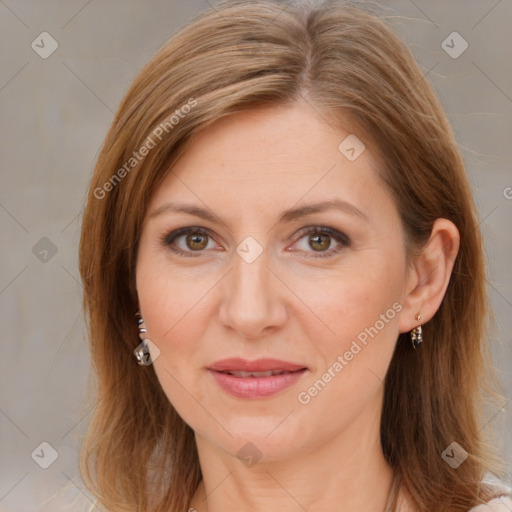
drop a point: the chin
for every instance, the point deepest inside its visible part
(270, 440)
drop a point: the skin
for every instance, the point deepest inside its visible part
(288, 304)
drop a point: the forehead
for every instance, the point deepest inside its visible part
(271, 157)
(288, 135)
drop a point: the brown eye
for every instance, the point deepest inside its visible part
(187, 241)
(196, 242)
(320, 242)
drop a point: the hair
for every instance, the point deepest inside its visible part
(137, 453)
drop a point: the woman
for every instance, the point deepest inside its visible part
(281, 213)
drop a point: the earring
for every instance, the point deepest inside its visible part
(417, 334)
(142, 351)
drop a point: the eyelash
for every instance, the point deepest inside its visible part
(341, 238)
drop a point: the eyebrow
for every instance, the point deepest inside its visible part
(286, 216)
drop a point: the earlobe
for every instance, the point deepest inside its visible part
(430, 276)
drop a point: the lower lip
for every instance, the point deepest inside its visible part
(256, 387)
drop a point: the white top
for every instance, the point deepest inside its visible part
(501, 504)
(71, 499)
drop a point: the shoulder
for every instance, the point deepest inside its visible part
(70, 498)
(501, 503)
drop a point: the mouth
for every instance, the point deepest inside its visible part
(255, 379)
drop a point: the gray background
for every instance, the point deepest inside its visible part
(54, 115)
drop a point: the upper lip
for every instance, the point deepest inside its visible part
(259, 365)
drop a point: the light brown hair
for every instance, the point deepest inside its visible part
(138, 454)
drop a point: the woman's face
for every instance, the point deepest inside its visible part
(317, 288)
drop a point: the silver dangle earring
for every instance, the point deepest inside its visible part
(417, 333)
(142, 351)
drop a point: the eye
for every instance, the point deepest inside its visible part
(320, 240)
(192, 239)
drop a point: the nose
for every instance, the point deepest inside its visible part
(253, 298)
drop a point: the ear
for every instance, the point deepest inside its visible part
(429, 275)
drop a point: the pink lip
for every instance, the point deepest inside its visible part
(255, 387)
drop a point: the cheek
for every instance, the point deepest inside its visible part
(363, 314)
(172, 313)
(175, 318)
(176, 308)
(348, 302)
(164, 304)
